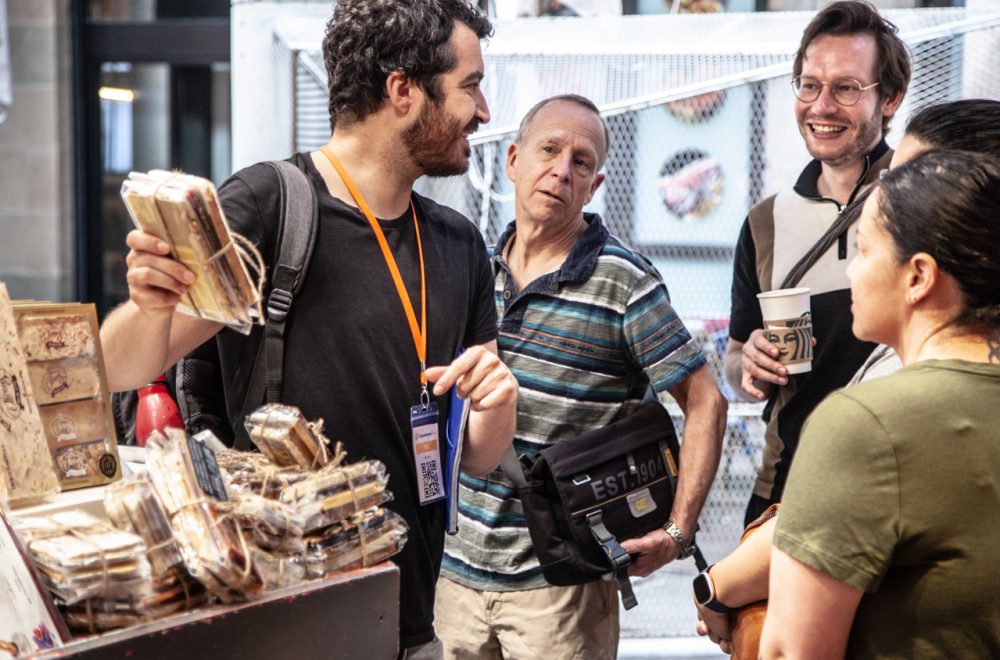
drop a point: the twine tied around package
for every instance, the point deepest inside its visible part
(246, 252)
(88, 612)
(135, 499)
(162, 545)
(80, 535)
(216, 521)
(363, 543)
(252, 259)
(354, 492)
(105, 576)
(274, 473)
(247, 568)
(262, 527)
(181, 576)
(324, 443)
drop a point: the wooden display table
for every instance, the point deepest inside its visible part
(352, 615)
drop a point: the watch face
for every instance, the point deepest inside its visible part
(702, 589)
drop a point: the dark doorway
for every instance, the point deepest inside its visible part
(151, 87)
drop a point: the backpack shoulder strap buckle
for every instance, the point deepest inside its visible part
(278, 304)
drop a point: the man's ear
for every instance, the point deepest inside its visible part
(891, 104)
(512, 160)
(598, 180)
(402, 92)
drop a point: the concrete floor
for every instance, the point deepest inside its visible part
(674, 648)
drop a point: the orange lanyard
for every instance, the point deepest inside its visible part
(419, 335)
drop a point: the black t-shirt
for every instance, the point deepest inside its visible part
(349, 353)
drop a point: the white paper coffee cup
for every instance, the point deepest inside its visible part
(788, 325)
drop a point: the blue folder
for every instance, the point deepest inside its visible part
(458, 417)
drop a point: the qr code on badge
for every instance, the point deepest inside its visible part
(431, 480)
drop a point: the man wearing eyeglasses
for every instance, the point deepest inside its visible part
(850, 74)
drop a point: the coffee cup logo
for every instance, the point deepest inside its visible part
(793, 338)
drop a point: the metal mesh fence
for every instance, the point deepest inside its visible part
(701, 116)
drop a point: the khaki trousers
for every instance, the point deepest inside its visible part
(549, 623)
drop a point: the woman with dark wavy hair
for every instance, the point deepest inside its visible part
(886, 542)
(969, 125)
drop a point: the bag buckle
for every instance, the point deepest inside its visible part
(620, 559)
(278, 304)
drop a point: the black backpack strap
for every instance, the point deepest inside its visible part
(297, 226)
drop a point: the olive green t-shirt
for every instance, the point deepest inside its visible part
(895, 490)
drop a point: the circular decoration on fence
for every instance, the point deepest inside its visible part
(691, 185)
(697, 108)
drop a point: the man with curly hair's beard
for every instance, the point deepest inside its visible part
(397, 284)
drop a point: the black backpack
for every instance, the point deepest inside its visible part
(196, 381)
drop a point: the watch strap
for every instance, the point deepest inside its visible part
(712, 603)
(685, 547)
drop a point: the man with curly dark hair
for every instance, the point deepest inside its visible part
(396, 281)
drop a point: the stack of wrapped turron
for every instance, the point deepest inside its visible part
(202, 526)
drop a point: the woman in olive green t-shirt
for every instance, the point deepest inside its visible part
(886, 543)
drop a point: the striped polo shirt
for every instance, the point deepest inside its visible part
(584, 343)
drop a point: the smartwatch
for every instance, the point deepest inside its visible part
(704, 593)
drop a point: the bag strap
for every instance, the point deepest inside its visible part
(616, 554)
(297, 225)
(834, 233)
(512, 468)
(837, 232)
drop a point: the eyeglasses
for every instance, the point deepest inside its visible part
(846, 91)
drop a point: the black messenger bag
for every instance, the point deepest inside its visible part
(584, 495)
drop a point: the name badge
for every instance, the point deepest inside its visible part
(427, 453)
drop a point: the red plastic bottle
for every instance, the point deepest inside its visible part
(155, 410)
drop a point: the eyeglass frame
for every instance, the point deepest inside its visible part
(861, 89)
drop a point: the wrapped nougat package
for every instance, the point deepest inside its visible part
(270, 524)
(184, 212)
(367, 538)
(47, 335)
(285, 437)
(69, 379)
(278, 571)
(213, 548)
(80, 556)
(74, 422)
(337, 492)
(173, 592)
(133, 506)
(26, 470)
(252, 473)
